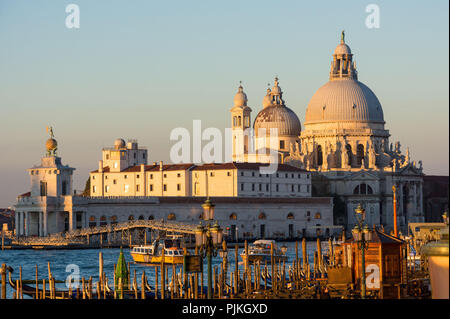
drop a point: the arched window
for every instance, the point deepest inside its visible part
(151, 217)
(113, 219)
(171, 216)
(262, 216)
(362, 189)
(141, 217)
(92, 221)
(319, 156)
(131, 217)
(239, 121)
(233, 216)
(317, 215)
(234, 121)
(103, 221)
(290, 216)
(359, 154)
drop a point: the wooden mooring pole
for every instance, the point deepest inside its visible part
(3, 273)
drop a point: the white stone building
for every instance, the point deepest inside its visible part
(248, 204)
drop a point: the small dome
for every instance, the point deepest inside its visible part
(267, 100)
(342, 49)
(279, 117)
(276, 90)
(240, 99)
(344, 100)
(119, 143)
(51, 144)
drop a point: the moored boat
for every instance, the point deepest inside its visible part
(260, 250)
(152, 254)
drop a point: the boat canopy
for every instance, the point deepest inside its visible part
(265, 242)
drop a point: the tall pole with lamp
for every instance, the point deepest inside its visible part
(208, 239)
(362, 235)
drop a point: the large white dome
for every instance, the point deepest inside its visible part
(344, 100)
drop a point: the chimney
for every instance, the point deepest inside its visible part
(161, 165)
(142, 168)
(100, 166)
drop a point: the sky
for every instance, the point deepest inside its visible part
(138, 69)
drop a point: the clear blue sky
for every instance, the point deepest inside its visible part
(138, 69)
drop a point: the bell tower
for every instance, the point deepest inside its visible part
(240, 126)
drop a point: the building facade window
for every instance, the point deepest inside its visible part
(92, 221)
(43, 188)
(362, 189)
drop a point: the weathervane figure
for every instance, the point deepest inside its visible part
(50, 131)
(343, 36)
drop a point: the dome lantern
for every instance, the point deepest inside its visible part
(342, 65)
(240, 99)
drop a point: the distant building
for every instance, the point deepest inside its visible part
(435, 197)
(6, 219)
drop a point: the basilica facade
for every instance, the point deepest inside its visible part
(344, 144)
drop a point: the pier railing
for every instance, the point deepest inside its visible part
(78, 236)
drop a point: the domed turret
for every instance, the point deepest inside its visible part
(240, 99)
(275, 115)
(342, 48)
(119, 143)
(267, 100)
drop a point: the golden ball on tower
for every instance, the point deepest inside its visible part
(51, 144)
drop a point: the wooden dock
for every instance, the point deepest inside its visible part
(271, 280)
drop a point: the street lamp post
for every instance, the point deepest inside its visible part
(362, 235)
(208, 239)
